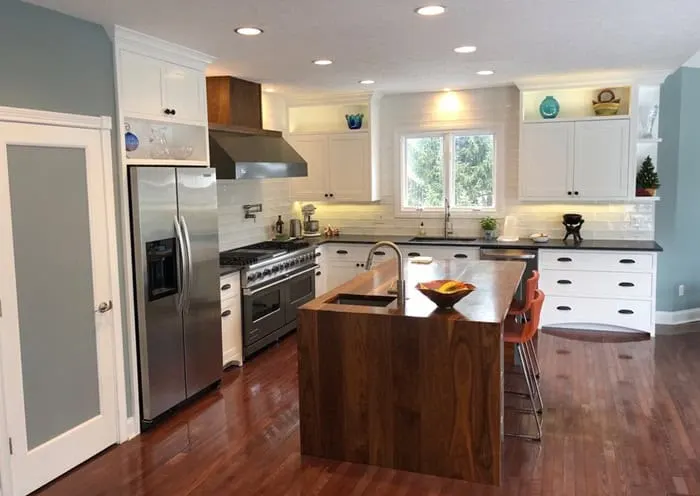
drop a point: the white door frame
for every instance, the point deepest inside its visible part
(104, 125)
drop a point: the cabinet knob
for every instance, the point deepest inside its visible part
(568, 193)
(326, 195)
(167, 111)
(172, 112)
(357, 265)
(575, 192)
(331, 195)
(318, 273)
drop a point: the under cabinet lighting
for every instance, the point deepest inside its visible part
(484, 73)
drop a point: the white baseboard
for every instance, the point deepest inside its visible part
(132, 428)
(679, 317)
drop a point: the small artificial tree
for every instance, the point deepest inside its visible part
(647, 178)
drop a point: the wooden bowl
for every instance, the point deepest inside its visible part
(444, 300)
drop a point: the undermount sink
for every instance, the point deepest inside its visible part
(428, 239)
(362, 300)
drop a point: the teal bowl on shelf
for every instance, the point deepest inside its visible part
(354, 120)
(549, 108)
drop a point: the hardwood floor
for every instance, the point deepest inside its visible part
(622, 418)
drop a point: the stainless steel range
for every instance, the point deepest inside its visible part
(276, 279)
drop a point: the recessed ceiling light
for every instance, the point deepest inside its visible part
(484, 73)
(465, 49)
(367, 81)
(249, 31)
(430, 10)
(323, 62)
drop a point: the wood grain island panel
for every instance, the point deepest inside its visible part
(413, 388)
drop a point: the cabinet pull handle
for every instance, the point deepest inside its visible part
(563, 308)
(563, 281)
(380, 253)
(225, 287)
(342, 252)
(318, 273)
(625, 311)
(461, 255)
(564, 259)
(627, 261)
(626, 284)
(318, 254)
(414, 254)
(226, 313)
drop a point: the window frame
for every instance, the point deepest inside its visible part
(448, 135)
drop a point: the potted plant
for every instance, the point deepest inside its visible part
(647, 179)
(488, 224)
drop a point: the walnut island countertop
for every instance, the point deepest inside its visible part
(412, 388)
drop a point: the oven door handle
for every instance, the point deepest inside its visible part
(248, 292)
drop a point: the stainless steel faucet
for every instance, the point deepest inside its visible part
(448, 224)
(400, 283)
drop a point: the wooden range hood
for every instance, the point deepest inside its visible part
(239, 148)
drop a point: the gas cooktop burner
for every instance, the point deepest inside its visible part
(260, 252)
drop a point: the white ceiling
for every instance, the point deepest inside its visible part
(385, 41)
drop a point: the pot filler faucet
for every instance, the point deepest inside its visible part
(400, 283)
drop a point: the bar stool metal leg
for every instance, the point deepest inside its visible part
(528, 381)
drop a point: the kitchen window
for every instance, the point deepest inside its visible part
(458, 165)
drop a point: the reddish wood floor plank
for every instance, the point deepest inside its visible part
(621, 418)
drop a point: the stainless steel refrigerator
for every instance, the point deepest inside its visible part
(176, 273)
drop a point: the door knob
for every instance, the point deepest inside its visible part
(104, 307)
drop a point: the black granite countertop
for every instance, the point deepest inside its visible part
(553, 244)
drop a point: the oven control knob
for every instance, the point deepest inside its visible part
(266, 272)
(276, 268)
(251, 277)
(286, 264)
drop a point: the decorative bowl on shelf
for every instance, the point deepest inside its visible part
(445, 293)
(354, 120)
(181, 152)
(540, 237)
(606, 104)
(549, 108)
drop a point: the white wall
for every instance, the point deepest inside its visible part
(491, 106)
(234, 229)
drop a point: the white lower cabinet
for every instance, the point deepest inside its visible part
(598, 289)
(231, 320)
(340, 272)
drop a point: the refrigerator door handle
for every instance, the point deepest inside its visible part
(183, 276)
(190, 269)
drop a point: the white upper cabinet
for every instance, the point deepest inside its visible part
(141, 84)
(349, 167)
(314, 149)
(575, 160)
(546, 160)
(160, 81)
(339, 167)
(601, 159)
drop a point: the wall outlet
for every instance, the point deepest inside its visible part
(681, 290)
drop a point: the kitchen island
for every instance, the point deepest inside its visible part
(411, 388)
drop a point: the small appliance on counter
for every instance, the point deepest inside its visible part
(510, 229)
(295, 229)
(279, 229)
(573, 223)
(312, 228)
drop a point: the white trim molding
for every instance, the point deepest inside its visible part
(43, 117)
(678, 317)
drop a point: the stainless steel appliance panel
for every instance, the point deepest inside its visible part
(198, 214)
(301, 289)
(263, 312)
(159, 320)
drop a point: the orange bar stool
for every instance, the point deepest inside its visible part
(520, 333)
(520, 310)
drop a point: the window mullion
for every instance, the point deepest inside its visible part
(448, 168)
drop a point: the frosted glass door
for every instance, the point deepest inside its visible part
(56, 339)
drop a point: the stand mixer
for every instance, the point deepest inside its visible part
(311, 227)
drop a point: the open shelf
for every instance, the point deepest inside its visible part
(175, 134)
(574, 103)
(314, 119)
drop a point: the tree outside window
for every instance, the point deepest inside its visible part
(458, 165)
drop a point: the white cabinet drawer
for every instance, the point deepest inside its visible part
(231, 331)
(441, 252)
(351, 252)
(592, 284)
(230, 286)
(596, 260)
(631, 314)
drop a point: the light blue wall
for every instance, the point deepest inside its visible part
(50, 61)
(678, 212)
